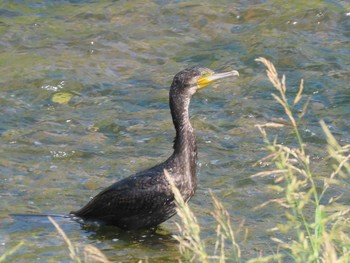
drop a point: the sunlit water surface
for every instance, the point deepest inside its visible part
(117, 60)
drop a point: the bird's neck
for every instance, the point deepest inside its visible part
(182, 163)
(185, 140)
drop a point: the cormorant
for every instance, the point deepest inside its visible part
(145, 199)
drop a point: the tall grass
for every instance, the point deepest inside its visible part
(191, 246)
(79, 254)
(4, 257)
(316, 228)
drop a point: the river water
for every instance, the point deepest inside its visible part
(114, 61)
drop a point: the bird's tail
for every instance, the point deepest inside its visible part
(39, 215)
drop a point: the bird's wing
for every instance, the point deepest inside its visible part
(134, 194)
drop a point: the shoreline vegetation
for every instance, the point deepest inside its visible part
(316, 226)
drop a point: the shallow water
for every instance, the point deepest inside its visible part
(117, 60)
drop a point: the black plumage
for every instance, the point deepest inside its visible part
(145, 199)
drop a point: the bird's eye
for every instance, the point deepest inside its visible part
(203, 73)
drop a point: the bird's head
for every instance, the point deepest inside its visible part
(192, 79)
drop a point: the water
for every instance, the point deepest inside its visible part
(118, 59)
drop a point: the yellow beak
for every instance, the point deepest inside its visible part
(209, 78)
